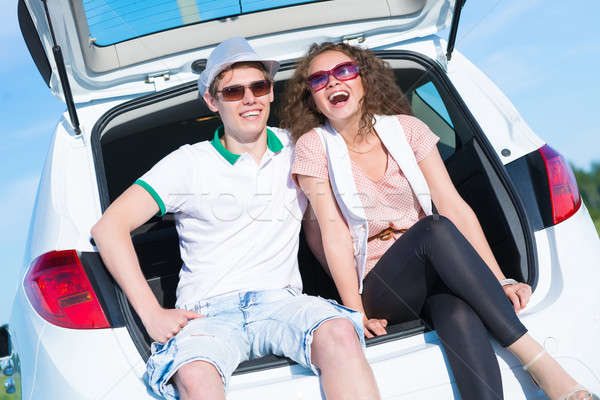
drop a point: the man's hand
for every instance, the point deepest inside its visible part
(374, 327)
(163, 324)
(519, 294)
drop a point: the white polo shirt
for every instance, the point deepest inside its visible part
(238, 221)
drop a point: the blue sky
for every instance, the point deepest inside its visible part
(543, 55)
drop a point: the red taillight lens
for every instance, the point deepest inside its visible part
(61, 293)
(564, 193)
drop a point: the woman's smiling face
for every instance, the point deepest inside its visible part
(338, 100)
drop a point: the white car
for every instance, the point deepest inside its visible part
(132, 71)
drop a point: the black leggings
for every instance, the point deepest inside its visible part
(433, 272)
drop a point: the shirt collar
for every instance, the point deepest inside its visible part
(273, 144)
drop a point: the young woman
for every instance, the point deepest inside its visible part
(371, 172)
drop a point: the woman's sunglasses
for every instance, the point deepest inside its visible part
(236, 92)
(342, 72)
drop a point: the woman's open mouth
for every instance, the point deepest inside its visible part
(339, 98)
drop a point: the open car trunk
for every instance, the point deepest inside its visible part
(131, 138)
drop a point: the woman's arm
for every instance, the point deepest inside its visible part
(451, 205)
(336, 238)
(312, 234)
(337, 246)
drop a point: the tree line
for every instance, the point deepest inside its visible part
(589, 188)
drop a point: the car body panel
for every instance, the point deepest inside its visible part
(128, 67)
(67, 200)
(567, 253)
(89, 361)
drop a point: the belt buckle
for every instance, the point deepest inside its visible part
(385, 235)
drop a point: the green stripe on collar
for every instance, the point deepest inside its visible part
(229, 156)
(273, 143)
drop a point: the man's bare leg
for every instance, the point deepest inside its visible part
(199, 380)
(345, 372)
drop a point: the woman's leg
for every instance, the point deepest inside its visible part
(467, 346)
(436, 243)
(463, 335)
(402, 287)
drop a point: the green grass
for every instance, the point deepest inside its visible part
(588, 183)
(16, 394)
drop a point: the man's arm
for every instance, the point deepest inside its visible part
(112, 236)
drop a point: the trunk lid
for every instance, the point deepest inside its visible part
(116, 48)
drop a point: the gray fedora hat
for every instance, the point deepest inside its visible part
(230, 51)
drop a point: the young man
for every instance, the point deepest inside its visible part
(238, 217)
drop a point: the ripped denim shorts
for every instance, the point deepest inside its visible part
(244, 326)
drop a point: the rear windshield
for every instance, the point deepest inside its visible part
(113, 21)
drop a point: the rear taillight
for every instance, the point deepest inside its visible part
(564, 193)
(61, 292)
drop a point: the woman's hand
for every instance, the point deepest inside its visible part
(519, 294)
(374, 327)
(163, 323)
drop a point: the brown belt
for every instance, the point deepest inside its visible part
(386, 234)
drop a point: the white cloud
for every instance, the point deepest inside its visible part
(32, 131)
(494, 20)
(582, 49)
(17, 198)
(514, 69)
(22, 138)
(9, 23)
(14, 50)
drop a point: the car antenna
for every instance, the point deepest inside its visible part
(454, 27)
(62, 74)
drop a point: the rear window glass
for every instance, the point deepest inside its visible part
(429, 107)
(113, 21)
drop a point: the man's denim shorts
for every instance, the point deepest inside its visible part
(244, 326)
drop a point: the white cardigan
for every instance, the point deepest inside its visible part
(392, 136)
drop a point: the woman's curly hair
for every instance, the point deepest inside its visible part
(299, 113)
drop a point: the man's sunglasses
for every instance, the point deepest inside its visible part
(342, 72)
(236, 92)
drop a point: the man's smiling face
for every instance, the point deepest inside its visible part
(247, 118)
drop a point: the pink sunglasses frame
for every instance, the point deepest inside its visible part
(331, 72)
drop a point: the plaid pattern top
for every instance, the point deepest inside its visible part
(389, 201)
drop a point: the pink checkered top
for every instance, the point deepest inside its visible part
(388, 202)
